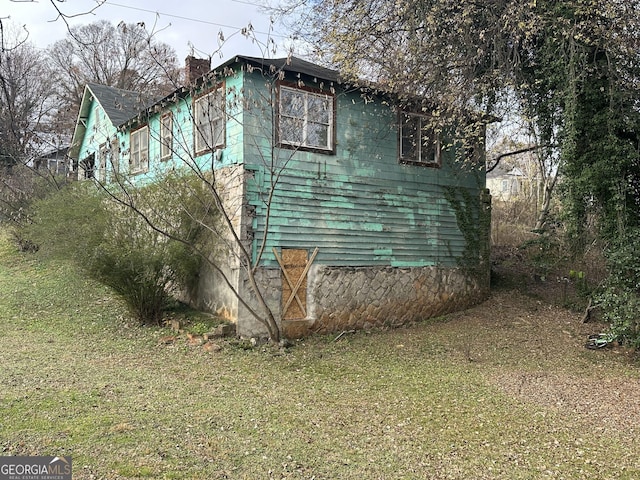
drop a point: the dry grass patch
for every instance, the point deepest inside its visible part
(491, 393)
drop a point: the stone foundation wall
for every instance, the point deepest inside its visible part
(212, 293)
(269, 281)
(368, 297)
(349, 298)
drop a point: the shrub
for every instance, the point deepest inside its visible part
(138, 274)
(115, 244)
(69, 223)
(20, 187)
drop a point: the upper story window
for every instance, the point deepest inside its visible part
(209, 121)
(419, 141)
(166, 136)
(306, 119)
(139, 150)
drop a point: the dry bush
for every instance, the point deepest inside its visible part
(512, 221)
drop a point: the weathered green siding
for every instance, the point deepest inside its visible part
(183, 135)
(99, 131)
(361, 207)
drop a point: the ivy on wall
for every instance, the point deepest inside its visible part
(473, 217)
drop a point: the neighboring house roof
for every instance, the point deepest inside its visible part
(54, 153)
(119, 106)
(55, 160)
(515, 172)
(501, 171)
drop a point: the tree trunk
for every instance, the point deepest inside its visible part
(547, 192)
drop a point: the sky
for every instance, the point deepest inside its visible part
(191, 27)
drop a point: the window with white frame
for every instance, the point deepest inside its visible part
(139, 150)
(306, 119)
(419, 141)
(166, 136)
(209, 121)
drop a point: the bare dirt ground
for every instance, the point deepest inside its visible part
(532, 319)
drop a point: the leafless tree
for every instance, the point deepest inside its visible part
(25, 107)
(125, 56)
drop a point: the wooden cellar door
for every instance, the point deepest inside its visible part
(294, 264)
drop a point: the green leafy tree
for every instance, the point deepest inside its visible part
(569, 64)
(619, 296)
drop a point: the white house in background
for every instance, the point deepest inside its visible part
(507, 183)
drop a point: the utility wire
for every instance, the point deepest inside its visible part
(180, 17)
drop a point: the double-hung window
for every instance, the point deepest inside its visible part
(166, 136)
(139, 150)
(419, 140)
(209, 121)
(306, 119)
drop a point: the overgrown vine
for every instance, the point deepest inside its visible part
(473, 217)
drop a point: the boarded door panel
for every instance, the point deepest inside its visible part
(294, 263)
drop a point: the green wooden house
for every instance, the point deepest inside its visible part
(361, 214)
(96, 136)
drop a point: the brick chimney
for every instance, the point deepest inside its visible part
(195, 68)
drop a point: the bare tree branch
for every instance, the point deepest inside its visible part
(496, 161)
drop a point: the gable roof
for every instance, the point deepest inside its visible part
(501, 171)
(119, 105)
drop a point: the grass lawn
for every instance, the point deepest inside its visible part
(503, 391)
